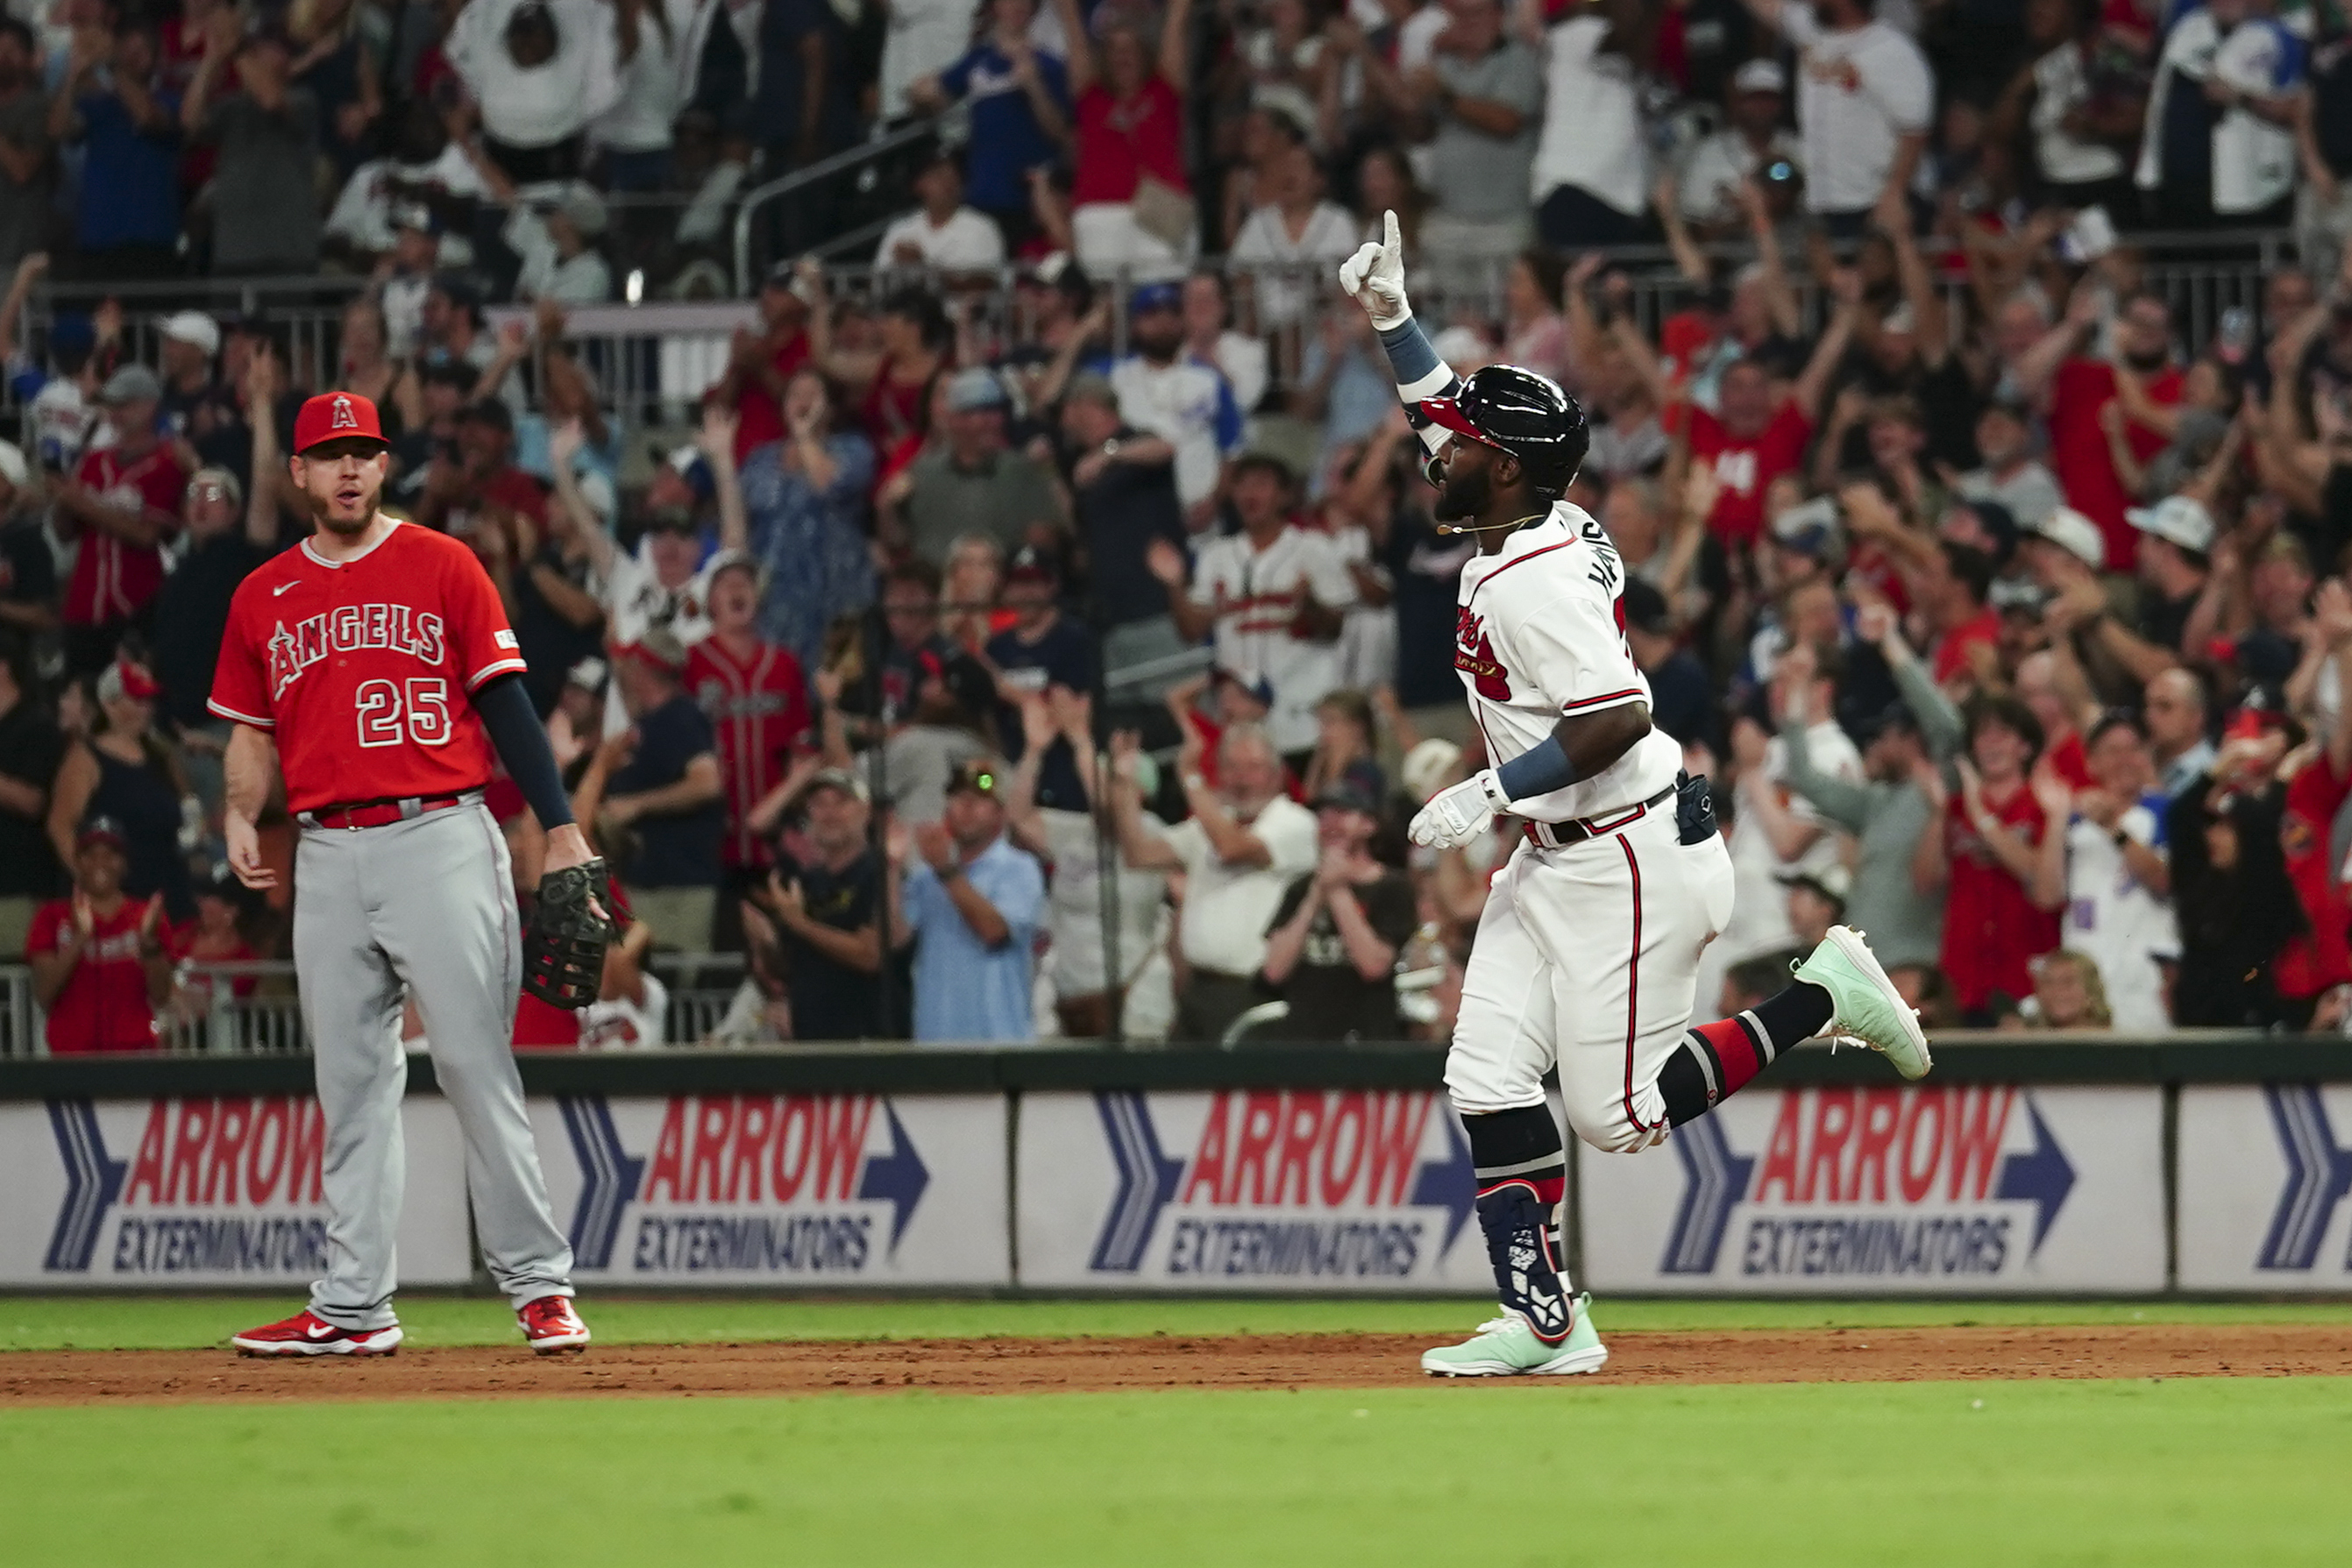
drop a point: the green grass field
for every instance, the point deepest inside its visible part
(2202, 1471)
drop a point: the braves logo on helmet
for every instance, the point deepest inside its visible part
(1474, 652)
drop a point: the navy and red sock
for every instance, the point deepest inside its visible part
(1716, 1060)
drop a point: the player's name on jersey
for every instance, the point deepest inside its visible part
(402, 628)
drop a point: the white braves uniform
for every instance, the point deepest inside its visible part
(1256, 595)
(1587, 957)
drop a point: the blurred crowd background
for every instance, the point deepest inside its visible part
(975, 572)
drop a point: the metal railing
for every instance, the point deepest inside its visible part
(206, 1017)
(861, 166)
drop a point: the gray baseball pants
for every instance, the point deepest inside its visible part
(428, 903)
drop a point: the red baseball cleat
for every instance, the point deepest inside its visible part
(551, 1325)
(307, 1334)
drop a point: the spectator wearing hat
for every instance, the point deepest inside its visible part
(27, 173)
(215, 936)
(122, 504)
(1331, 945)
(756, 698)
(1043, 653)
(265, 189)
(1268, 598)
(971, 904)
(2007, 470)
(186, 342)
(1864, 98)
(225, 537)
(1754, 138)
(1817, 900)
(1123, 500)
(30, 749)
(556, 238)
(816, 920)
(112, 101)
(127, 770)
(2000, 859)
(941, 233)
(1189, 405)
(1243, 844)
(100, 962)
(2175, 561)
(2118, 878)
(658, 782)
(476, 494)
(971, 481)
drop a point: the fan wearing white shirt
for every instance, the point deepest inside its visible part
(1864, 97)
(1293, 241)
(941, 232)
(539, 72)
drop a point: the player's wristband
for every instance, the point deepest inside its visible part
(1419, 374)
(1538, 771)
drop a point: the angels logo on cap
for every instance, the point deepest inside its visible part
(336, 416)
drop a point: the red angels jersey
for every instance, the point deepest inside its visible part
(757, 708)
(361, 669)
(113, 579)
(1540, 633)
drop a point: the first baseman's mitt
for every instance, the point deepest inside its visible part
(571, 926)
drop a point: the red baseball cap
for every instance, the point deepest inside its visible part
(336, 416)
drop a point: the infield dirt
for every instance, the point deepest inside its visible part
(1239, 1361)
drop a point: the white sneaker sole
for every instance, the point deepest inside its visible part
(1568, 1364)
(384, 1341)
(557, 1345)
(1911, 1057)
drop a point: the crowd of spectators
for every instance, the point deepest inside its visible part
(1063, 654)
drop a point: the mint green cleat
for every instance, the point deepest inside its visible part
(1508, 1347)
(1868, 1007)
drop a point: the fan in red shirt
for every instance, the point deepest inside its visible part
(763, 361)
(2001, 856)
(757, 699)
(2079, 454)
(122, 502)
(1752, 440)
(1131, 129)
(100, 965)
(2318, 777)
(1967, 628)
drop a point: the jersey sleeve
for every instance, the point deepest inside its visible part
(481, 644)
(241, 677)
(48, 924)
(1288, 837)
(1571, 649)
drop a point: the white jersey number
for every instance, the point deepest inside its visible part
(386, 720)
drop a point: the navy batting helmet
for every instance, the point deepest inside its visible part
(1523, 414)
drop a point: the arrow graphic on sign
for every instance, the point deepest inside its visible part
(92, 1184)
(2319, 1174)
(2040, 1175)
(1147, 1180)
(898, 1177)
(608, 1178)
(1715, 1178)
(1450, 1184)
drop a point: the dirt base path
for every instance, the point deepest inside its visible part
(1242, 1361)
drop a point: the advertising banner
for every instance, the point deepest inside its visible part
(799, 1190)
(1932, 1190)
(205, 1190)
(1312, 1190)
(2264, 1173)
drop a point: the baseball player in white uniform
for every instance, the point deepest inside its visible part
(1587, 954)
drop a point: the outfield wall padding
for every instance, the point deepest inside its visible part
(2024, 1166)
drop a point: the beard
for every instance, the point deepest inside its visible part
(1464, 495)
(348, 519)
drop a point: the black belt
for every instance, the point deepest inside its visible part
(1560, 835)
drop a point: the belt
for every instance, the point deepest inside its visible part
(1560, 835)
(379, 813)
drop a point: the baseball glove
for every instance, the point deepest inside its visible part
(571, 924)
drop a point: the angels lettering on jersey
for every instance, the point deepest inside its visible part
(402, 628)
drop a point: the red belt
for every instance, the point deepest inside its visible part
(1560, 835)
(378, 813)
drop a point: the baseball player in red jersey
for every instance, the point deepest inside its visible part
(1587, 952)
(374, 666)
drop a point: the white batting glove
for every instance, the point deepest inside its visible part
(1374, 277)
(1458, 813)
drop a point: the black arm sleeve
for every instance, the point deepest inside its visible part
(522, 746)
